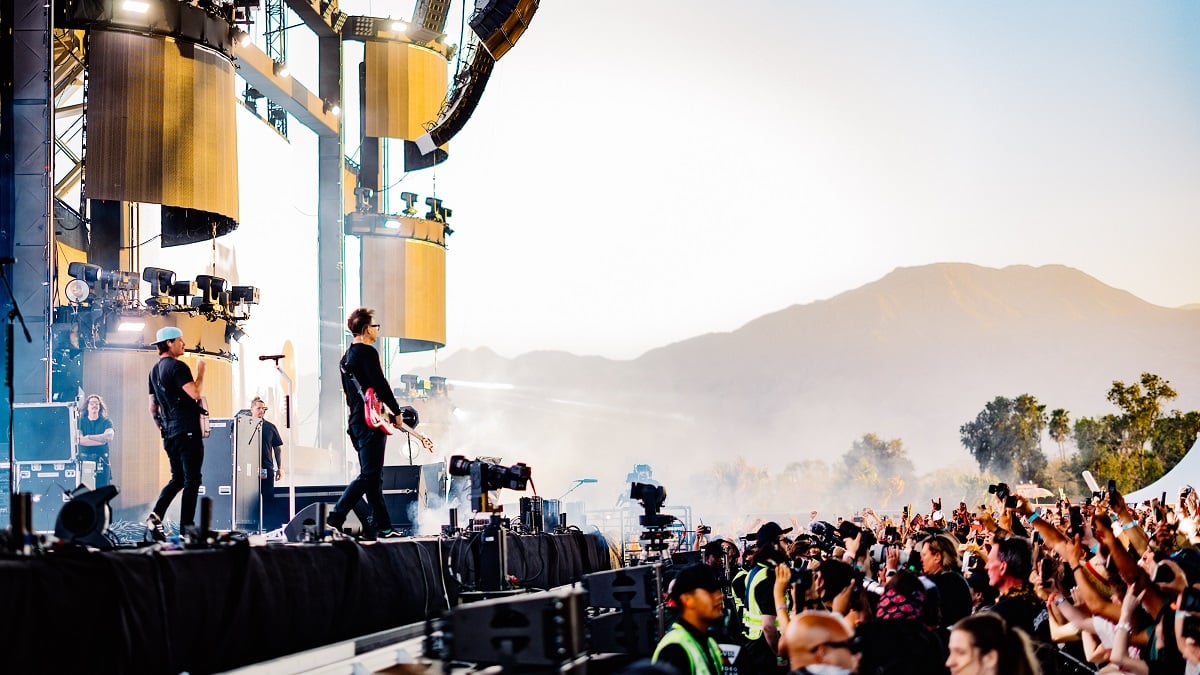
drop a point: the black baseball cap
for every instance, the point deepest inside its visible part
(769, 533)
(693, 577)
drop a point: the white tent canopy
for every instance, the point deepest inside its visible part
(1185, 473)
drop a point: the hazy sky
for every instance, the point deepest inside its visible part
(639, 172)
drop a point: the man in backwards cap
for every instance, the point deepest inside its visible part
(687, 646)
(175, 407)
(759, 654)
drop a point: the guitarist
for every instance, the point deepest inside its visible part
(176, 408)
(361, 370)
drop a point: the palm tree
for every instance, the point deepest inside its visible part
(1060, 428)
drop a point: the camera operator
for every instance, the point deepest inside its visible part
(716, 557)
(761, 632)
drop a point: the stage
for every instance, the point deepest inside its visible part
(200, 611)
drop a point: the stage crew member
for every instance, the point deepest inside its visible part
(687, 646)
(176, 409)
(271, 467)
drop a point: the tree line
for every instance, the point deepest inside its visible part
(1135, 446)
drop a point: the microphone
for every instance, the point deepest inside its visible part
(270, 357)
(586, 480)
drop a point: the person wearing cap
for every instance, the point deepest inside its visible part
(176, 409)
(821, 642)
(361, 372)
(687, 646)
(758, 619)
(717, 557)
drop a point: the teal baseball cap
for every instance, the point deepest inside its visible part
(167, 333)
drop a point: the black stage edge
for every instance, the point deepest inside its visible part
(211, 610)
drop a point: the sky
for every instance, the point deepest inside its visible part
(638, 173)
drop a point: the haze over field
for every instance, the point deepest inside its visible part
(912, 356)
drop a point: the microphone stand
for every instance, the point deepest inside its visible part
(9, 345)
(287, 420)
(578, 482)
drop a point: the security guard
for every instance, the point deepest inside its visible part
(759, 653)
(687, 646)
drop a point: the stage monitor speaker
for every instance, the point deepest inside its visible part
(538, 629)
(303, 526)
(625, 632)
(626, 588)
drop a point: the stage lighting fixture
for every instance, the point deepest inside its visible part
(333, 108)
(85, 271)
(77, 291)
(240, 37)
(399, 26)
(183, 289)
(131, 326)
(135, 6)
(160, 281)
(277, 114)
(280, 69)
(85, 518)
(118, 280)
(210, 288)
(391, 224)
(244, 294)
(410, 200)
(233, 333)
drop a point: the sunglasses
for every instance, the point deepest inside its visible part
(854, 645)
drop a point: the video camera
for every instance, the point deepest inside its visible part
(1002, 492)
(487, 476)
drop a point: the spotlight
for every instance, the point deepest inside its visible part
(135, 6)
(131, 326)
(240, 37)
(77, 291)
(399, 26)
(160, 281)
(211, 288)
(280, 68)
(233, 333)
(85, 271)
(391, 224)
(244, 294)
(183, 289)
(333, 108)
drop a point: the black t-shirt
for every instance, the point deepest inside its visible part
(362, 361)
(89, 427)
(270, 441)
(180, 412)
(954, 596)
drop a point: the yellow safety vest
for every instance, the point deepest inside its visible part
(753, 618)
(678, 635)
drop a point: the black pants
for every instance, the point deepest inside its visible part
(370, 444)
(186, 453)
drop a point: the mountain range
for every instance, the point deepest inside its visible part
(912, 356)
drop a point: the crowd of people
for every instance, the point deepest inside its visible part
(1009, 588)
